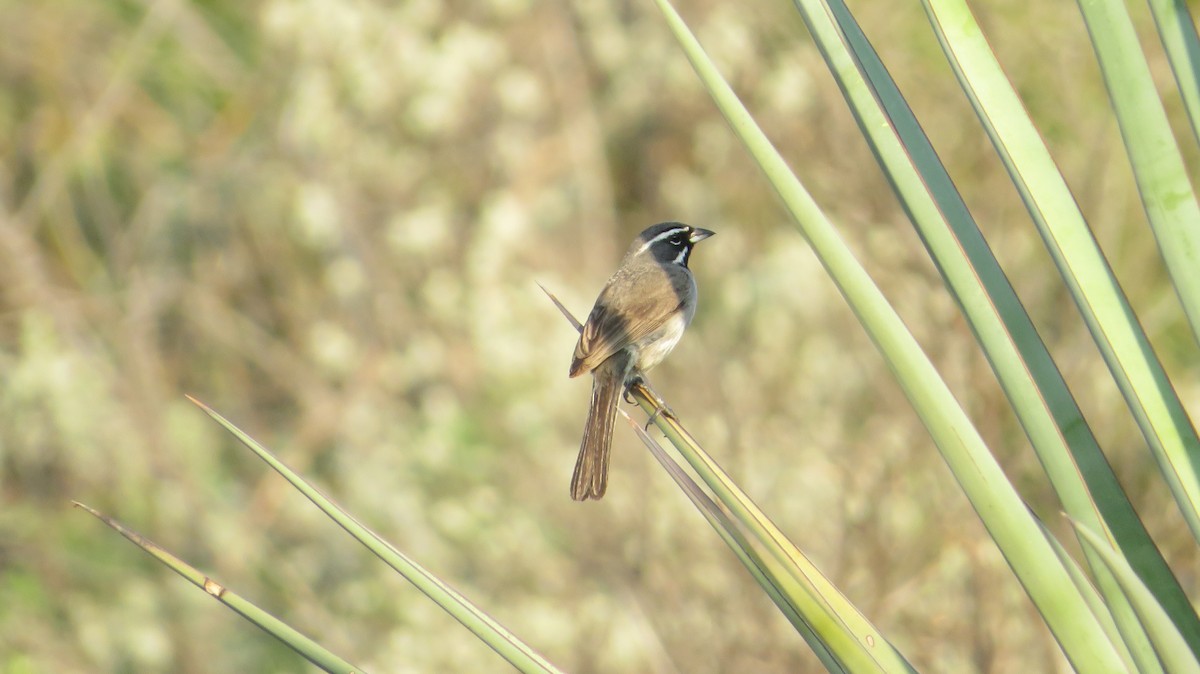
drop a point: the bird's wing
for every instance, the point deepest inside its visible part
(609, 327)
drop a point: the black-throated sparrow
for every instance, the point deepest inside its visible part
(637, 320)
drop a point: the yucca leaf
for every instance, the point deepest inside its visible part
(1172, 649)
(518, 653)
(1125, 347)
(1000, 508)
(848, 633)
(309, 649)
(1147, 660)
(725, 526)
(1065, 445)
(1158, 167)
(1177, 29)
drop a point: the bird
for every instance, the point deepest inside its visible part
(638, 318)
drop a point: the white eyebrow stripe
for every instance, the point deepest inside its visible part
(665, 235)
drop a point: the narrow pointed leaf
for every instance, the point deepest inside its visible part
(1127, 351)
(506, 644)
(309, 649)
(1147, 660)
(723, 523)
(1162, 178)
(999, 507)
(1065, 445)
(1177, 29)
(1172, 649)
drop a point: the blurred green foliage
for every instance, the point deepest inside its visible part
(326, 219)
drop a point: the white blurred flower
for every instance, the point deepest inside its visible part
(345, 277)
(318, 216)
(521, 93)
(332, 347)
(422, 231)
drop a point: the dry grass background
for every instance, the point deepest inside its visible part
(326, 219)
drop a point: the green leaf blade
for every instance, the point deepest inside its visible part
(1158, 165)
(503, 642)
(1065, 445)
(1172, 649)
(1001, 510)
(288, 635)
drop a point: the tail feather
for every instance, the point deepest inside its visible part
(590, 479)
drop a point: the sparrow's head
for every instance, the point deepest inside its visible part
(668, 242)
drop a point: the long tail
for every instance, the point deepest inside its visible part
(591, 468)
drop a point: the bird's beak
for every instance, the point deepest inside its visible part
(699, 235)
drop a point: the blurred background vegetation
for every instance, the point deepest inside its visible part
(326, 219)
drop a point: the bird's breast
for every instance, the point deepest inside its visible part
(652, 348)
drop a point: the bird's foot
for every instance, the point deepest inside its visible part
(661, 409)
(635, 380)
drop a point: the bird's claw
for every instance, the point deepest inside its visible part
(660, 405)
(660, 410)
(635, 380)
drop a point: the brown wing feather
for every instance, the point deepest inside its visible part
(609, 329)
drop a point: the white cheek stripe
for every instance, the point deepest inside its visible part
(682, 255)
(665, 235)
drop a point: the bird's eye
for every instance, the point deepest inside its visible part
(677, 240)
